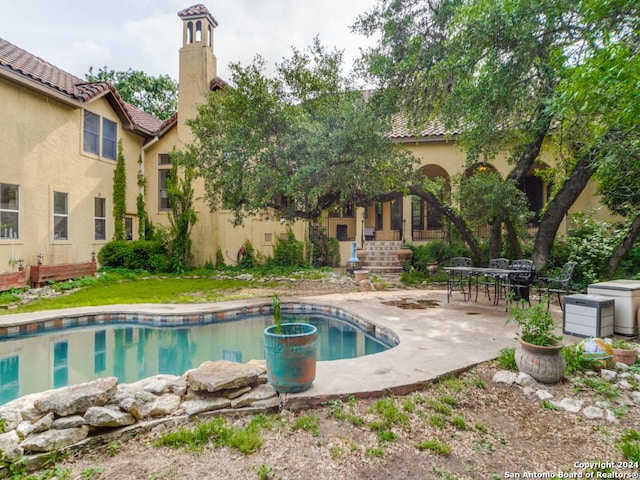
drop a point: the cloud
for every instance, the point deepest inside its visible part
(89, 53)
(159, 39)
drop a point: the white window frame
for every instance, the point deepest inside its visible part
(164, 167)
(97, 142)
(57, 216)
(97, 219)
(7, 232)
(109, 143)
(94, 146)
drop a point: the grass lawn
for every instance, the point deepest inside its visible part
(111, 288)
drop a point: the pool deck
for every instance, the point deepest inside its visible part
(434, 341)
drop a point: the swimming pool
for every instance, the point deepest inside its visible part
(64, 351)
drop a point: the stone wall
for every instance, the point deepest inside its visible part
(57, 419)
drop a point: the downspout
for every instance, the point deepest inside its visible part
(153, 141)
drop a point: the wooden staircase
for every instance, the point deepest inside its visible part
(382, 257)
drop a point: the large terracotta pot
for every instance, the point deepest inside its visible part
(404, 255)
(291, 356)
(545, 364)
(626, 356)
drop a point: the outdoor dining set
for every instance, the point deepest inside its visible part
(503, 280)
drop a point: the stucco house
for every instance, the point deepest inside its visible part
(59, 140)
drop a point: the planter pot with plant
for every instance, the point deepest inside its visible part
(538, 353)
(624, 352)
(290, 351)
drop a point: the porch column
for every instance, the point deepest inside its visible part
(407, 214)
(360, 226)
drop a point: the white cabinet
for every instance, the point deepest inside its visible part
(626, 294)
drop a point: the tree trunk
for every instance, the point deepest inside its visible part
(453, 216)
(559, 206)
(531, 151)
(512, 238)
(495, 239)
(624, 247)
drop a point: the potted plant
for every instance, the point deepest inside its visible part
(290, 352)
(624, 352)
(538, 353)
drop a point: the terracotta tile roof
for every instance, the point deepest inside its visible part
(198, 10)
(35, 69)
(400, 129)
(217, 83)
(142, 118)
(22, 62)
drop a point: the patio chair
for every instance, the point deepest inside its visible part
(493, 280)
(559, 285)
(459, 279)
(520, 280)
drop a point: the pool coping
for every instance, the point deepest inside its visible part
(433, 341)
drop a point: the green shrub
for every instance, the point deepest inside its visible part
(507, 359)
(324, 251)
(591, 243)
(219, 258)
(247, 255)
(435, 251)
(629, 266)
(288, 252)
(149, 255)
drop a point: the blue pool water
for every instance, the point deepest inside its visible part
(131, 352)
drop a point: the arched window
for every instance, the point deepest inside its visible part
(209, 36)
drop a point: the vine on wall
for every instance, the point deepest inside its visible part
(119, 194)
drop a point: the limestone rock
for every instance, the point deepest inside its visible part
(12, 417)
(525, 380)
(107, 417)
(221, 375)
(505, 376)
(54, 439)
(179, 386)
(73, 421)
(234, 393)
(366, 285)
(165, 405)
(593, 412)
(26, 428)
(543, 394)
(158, 384)
(608, 375)
(134, 403)
(193, 407)
(569, 404)
(611, 417)
(10, 449)
(269, 403)
(259, 364)
(260, 393)
(76, 399)
(624, 385)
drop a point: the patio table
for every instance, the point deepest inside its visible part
(458, 275)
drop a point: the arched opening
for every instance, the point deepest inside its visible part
(537, 191)
(198, 31)
(210, 36)
(426, 223)
(189, 33)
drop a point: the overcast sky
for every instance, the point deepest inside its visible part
(147, 34)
